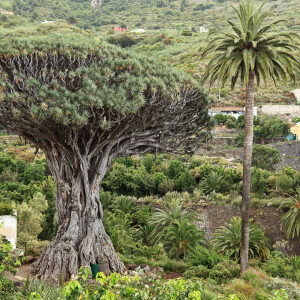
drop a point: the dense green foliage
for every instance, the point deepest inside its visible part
(31, 217)
(134, 224)
(136, 13)
(254, 284)
(265, 157)
(7, 265)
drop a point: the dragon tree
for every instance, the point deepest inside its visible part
(85, 103)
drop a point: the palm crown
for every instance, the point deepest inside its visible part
(251, 46)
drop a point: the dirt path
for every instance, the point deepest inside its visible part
(22, 273)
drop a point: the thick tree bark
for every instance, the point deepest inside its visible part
(81, 238)
(248, 145)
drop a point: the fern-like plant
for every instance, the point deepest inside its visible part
(212, 182)
(227, 240)
(203, 256)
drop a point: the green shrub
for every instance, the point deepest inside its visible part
(259, 180)
(6, 209)
(159, 177)
(220, 119)
(278, 265)
(200, 255)
(170, 265)
(187, 33)
(265, 157)
(166, 186)
(176, 167)
(148, 162)
(30, 217)
(185, 182)
(123, 40)
(197, 271)
(7, 265)
(252, 277)
(212, 182)
(290, 288)
(220, 274)
(124, 203)
(231, 266)
(142, 215)
(295, 119)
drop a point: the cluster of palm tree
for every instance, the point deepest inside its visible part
(176, 228)
(250, 52)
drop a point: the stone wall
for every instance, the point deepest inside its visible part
(293, 110)
(215, 216)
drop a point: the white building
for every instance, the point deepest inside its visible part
(228, 110)
(8, 228)
(203, 29)
(139, 30)
(47, 22)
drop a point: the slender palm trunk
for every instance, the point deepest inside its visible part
(248, 145)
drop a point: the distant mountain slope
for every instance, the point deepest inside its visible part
(173, 14)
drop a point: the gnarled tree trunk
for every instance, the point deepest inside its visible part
(81, 238)
(248, 146)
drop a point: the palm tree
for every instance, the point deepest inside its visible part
(290, 221)
(169, 215)
(250, 51)
(182, 236)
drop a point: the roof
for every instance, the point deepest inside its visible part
(227, 108)
(6, 12)
(295, 124)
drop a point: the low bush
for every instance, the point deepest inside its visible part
(278, 265)
(243, 290)
(6, 209)
(7, 265)
(265, 157)
(196, 271)
(220, 274)
(200, 255)
(123, 40)
(291, 289)
(255, 277)
(170, 265)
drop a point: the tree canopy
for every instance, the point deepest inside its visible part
(71, 79)
(252, 44)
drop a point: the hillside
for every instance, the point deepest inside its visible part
(156, 14)
(171, 31)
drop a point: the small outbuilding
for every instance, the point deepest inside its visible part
(8, 228)
(295, 129)
(230, 110)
